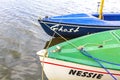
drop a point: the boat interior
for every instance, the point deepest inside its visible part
(109, 19)
(110, 16)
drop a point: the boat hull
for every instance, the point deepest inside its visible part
(62, 70)
(71, 30)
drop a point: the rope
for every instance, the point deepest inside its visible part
(61, 36)
(42, 68)
(94, 44)
(44, 58)
(50, 41)
(98, 61)
(49, 45)
(87, 54)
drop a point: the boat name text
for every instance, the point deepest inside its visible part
(59, 28)
(85, 74)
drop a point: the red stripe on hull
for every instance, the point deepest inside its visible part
(78, 68)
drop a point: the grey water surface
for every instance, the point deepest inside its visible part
(21, 36)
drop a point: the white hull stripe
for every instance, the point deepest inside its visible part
(77, 68)
(83, 25)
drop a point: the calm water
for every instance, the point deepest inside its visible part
(21, 36)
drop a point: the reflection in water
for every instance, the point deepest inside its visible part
(21, 36)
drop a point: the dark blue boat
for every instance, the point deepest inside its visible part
(75, 25)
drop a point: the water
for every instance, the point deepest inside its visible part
(21, 36)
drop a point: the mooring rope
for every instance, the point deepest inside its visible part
(49, 45)
(45, 56)
(50, 41)
(98, 61)
(87, 54)
(60, 36)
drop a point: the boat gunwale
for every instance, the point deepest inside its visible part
(69, 24)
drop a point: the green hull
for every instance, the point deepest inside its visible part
(103, 48)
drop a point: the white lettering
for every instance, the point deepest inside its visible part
(77, 29)
(55, 27)
(59, 28)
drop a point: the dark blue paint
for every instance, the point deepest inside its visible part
(89, 23)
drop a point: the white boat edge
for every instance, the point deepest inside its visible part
(62, 70)
(42, 52)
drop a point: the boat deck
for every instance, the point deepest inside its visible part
(86, 19)
(102, 46)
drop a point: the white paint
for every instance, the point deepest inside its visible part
(63, 29)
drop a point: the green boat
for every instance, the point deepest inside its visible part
(95, 56)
